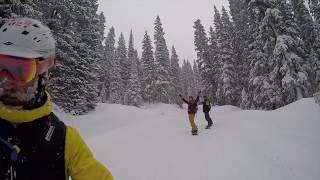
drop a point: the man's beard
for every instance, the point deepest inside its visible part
(18, 97)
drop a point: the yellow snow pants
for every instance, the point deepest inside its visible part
(192, 123)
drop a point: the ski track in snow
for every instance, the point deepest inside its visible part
(155, 143)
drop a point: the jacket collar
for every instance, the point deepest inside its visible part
(18, 115)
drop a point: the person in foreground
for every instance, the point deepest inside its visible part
(192, 110)
(34, 143)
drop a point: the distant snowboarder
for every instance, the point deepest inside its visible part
(192, 110)
(206, 109)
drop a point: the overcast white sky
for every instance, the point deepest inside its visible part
(177, 17)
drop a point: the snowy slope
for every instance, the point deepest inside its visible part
(154, 143)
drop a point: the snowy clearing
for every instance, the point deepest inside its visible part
(154, 142)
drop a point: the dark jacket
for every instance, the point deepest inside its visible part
(192, 106)
(206, 105)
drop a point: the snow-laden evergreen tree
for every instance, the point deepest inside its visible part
(213, 67)
(133, 90)
(148, 69)
(116, 88)
(131, 52)
(253, 94)
(206, 56)
(191, 80)
(110, 55)
(64, 81)
(315, 9)
(290, 58)
(241, 40)
(283, 64)
(139, 66)
(123, 60)
(259, 89)
(162, 64)
(188, 84)
(176, 86)
(18, 8)
(132, 94)
(184, 79)
(227, 83)
(197, 78)
(89, 48)
(219, 29)
(5, 12)
(75, 80)
(309, 33)
(103, 77)
(201, 43)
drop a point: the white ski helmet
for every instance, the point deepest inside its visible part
(25, 37)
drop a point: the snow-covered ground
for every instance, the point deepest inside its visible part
(154, 142)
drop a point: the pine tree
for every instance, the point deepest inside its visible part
(64, 79)
(227, 87)
(284, 75)
(315, 9)
(241, 41)
(175, 77)
(184, 79)
(213, 67)
(148, 69)
(162, 63)
(255, 65)
(79, 49)
(89, 49)
(290, 51)
(103, 85)
(110, 51)
(131, 52)
(188, 84)
(201, 43)
(133, 90)
(259, 90)
(116, 84)
(139, 66)
(14, 8)
(308, 32)
(123, 60)
(197, 78)
(206, 56)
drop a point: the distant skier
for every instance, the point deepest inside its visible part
(192, 110)
(206, 109)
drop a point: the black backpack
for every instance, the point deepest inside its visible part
(41, 144)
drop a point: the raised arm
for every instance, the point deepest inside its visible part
(198, 97)
(182, 98)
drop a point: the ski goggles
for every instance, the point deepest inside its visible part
(23, 70)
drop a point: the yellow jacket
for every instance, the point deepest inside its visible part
(79, 161)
